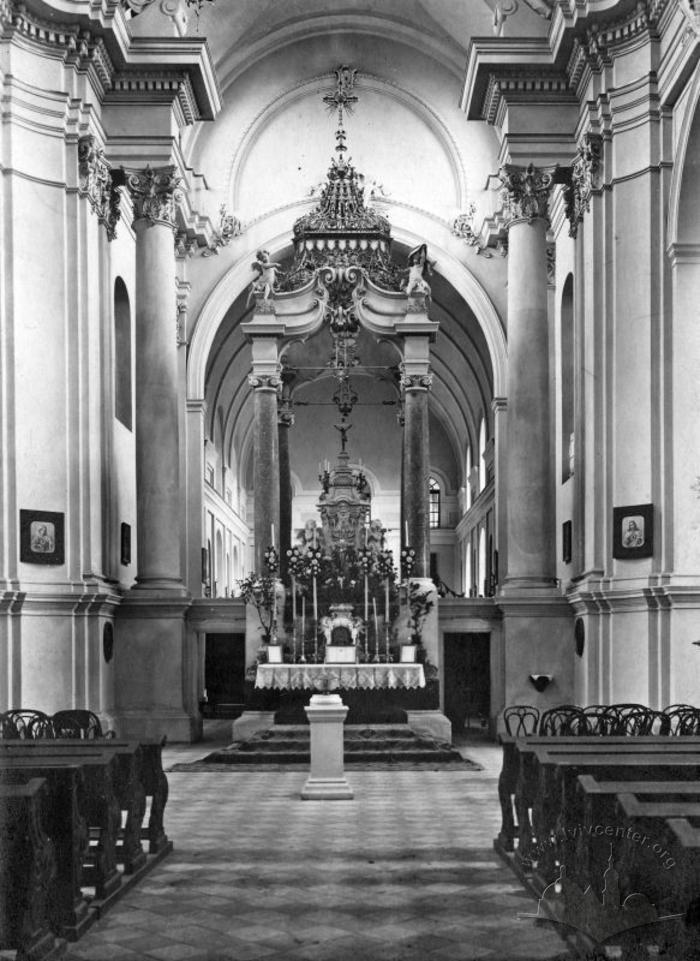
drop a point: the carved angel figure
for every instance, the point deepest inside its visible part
(266, 270)
(418, 267)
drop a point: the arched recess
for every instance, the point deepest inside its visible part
(123, 403)
(566, 371)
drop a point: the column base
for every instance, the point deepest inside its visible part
(155, 724)
(327, 789)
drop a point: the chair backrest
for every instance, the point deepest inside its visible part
(77, 723)
(8, 731)
(601, 719)
(676, 714)
(563, 721)
(31, 724)
(644, 722)
(521, 720)
(690, 723)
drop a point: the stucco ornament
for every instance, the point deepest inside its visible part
(263, 286)
(585, 172)
(525, 192)
(154, 193)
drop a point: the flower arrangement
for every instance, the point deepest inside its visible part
(259, 590)
(384, 565)
(272, 560)
(364, 560)
(420, 604)
(296, 563)
(314, 556)
(408, 562)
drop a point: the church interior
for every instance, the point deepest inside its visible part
(350, 555)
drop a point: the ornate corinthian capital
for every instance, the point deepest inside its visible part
(525, 192)
(265, 381)
(584, 179)
(416, 381)
(154, 193)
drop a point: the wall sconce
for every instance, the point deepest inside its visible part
(540, 682)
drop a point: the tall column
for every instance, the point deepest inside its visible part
(157, 424)
(529, 480)
(265, 381)
(155, 664)
(416, 465)
(537, 621)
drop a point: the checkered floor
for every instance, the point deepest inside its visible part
(404, 872)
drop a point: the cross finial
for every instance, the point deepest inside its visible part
(341, 99)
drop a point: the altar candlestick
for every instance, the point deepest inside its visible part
(315, 623)
(303, 628)
(405, 533)
(386, 600)
(366, 534)
(272, 534)
(376, 629)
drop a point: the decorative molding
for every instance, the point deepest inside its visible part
(585, 171)
(525, 192)
(551, 260)
(229, 227)
(171, 86)
(183, 288)
(691, 12)
(154, 193)
(285, 412)
(99, 184)
(523, 83)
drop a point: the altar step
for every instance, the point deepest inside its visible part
(290, 744)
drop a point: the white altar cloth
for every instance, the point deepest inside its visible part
(321, 677)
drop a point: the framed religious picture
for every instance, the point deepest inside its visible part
(633, 531)
(41, 537)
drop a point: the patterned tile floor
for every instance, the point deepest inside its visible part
(404, 872)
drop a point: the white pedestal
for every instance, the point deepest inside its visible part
(326, 781)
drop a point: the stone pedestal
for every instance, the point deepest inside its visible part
(326, 781)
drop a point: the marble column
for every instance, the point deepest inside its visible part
(529, 483)
(157, 422)
(155, 693)
(415, 384)
(537, 621)
(265, 381)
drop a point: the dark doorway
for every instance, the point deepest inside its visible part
(224, 674)
(467, 680)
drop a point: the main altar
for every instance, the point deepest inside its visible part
(342, 603)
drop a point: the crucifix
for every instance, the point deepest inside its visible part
(343, 428)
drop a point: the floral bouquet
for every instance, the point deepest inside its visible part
(384, 564)
(259, 590)
(364, 560)
(408, 562)
(314, 556)
(272, 560)
(296, 562)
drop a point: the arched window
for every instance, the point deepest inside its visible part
(482, 451)
(122, 354)
(567, 379)
(434, 501)
(481, 583)
(468, 484)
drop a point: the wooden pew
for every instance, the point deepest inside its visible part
(547, 778)
(128, 784)
(27, 870)
(598, 801)
(97, 803)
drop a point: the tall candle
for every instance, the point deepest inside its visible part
(303, 621)
(294, 601)
(376, 622)
(405, 533)
(315, 606)
(272, 534)
(366, 602)
(386, 601)
(366, 534)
